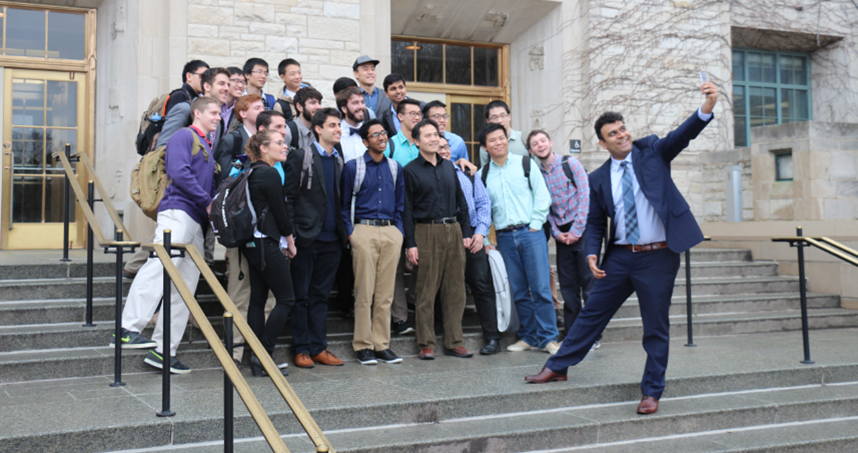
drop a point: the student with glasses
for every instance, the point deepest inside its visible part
(497, 112)
(237, 82)
(256, 72)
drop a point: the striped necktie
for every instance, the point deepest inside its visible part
(633, 234)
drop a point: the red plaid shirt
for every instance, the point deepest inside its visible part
(568, 204)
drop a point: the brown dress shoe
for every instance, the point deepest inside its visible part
(326, 358)
(545, 376)
(459, 352)
(426, 354)
(648, 405)
(303, 361)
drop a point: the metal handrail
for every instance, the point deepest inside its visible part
(688, 309)
(108, 204)
(244, 391)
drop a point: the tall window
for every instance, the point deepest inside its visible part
(768, 88)
(452, 64)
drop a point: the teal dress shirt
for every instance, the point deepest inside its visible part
(403, 152)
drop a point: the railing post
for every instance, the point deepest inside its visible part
(89, 264)
(803, 290)
(166, 358)
(117, 354)
(228, 418)
(66, 211)
(690, 343)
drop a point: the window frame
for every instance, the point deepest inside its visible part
(778, 86)
(87, 64)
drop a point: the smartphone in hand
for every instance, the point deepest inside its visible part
(703, 77)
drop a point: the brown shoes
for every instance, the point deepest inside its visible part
(303, 361)
(648, 405)
(545, 376)
(326, 358)
(426, 354)
(459, 352)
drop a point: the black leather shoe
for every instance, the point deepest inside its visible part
(491, 348)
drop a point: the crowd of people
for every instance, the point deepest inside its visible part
(378, 197)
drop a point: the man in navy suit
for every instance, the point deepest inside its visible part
(651, 224)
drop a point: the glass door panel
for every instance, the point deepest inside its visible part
(467, 117)
(44, 111)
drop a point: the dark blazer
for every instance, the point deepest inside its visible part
(306, 207)
(227, 150)
(651, 157)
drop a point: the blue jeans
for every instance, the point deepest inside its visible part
(525, 255)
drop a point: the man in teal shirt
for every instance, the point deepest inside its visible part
(402, 146)
(497, 112)
(520, 204)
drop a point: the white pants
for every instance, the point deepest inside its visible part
(148, 286)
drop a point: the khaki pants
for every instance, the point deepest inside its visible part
(238, 289)
(375, 255)
(441, 271)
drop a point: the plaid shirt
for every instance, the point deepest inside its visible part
(568, 204)
(479, 203)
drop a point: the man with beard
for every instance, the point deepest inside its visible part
(307, 102)
(351, 103)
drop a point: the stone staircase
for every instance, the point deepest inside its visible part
(741, 389)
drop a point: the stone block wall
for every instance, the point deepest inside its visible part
(825, 165)
(323, 35)
(715, 165)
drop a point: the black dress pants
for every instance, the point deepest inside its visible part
(274, 275)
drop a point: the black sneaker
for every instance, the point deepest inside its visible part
(387, 356)
(402, 328)
(132, 340)
(176, 367)
(366, 357)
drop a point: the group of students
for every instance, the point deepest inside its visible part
(361, 194)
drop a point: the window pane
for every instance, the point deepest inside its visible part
(739, 100)
(479, 119)
(770, 102)
(800, 70)
(402, 59)
(783, 167)
(486, 67)
(756, 97)
(761, 68)
(786, 69)
(27, 199)
(55, 198)
(62, 104)
(739, 66)
(25, 32)
(793, 105)
(458, 65)
(27, 150)
(55, 142)
(739, 131)
(460, 120)
(430, 63)
(28, 102)
(66, 36)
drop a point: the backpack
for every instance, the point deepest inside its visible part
(233, 218)
(307, 167)
(151, 123)
(392, 147)
(567, 168)
(285, 109)
(525, 164)
(360, 173)
(149, 178)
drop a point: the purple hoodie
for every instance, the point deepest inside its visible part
(192, 178)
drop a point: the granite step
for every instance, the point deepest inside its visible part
(697, 254)
(724, 269)
(75, 269)
(475, 405)
(738, 285)
(58, 288)
(736, 303)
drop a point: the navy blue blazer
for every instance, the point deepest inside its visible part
(651, 157)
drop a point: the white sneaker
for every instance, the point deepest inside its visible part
(519, 346)
(596, 345)
(551, 348)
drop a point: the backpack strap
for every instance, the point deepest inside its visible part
(394, 170)
(485, 173)
(473, 180)
(360, 174)
(293, 129)
(236, 144)
(525, 165)
(307, 168)
(567, 168)
(392, 147)
(198, 146)
(285, 109)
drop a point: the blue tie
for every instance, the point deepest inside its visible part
(633, 235)
(353, 131)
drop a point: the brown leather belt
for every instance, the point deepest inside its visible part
(644, 247)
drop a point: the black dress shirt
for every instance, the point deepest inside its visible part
(433, 192)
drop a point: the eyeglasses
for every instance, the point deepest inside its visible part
(415, 115)
(444, 147)
(280, 142)
(200, 74)
(238, 81)
(260, 72)
(501, 117)
(439, 117)
(378, 135)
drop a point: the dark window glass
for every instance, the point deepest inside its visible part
(761, 67)
(740, 131)
(402, 59)
(55, 142)
(458, 63)
(62, 104)
(27, 199)
(738, 66)
(430, 61)
(25, 33)
(66, 36)
(55, 197)
(28, 150)
(460, 120)
(486, 67)
(793, 105)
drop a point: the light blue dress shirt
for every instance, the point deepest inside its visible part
(458, 149)
(513, 202)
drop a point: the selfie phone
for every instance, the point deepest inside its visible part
(703, 78)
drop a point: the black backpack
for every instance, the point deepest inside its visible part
(525, 165)
(233, 217)
(568, 170)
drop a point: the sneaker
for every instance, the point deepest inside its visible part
(402, 328)
(367, 357)
(551, 348)
(132, 340)
(519, 346)
(596, 345)
(176, 367)
(387, 356)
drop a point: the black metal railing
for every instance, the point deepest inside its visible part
(688, 310)
(118, 246)
(827, 245)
